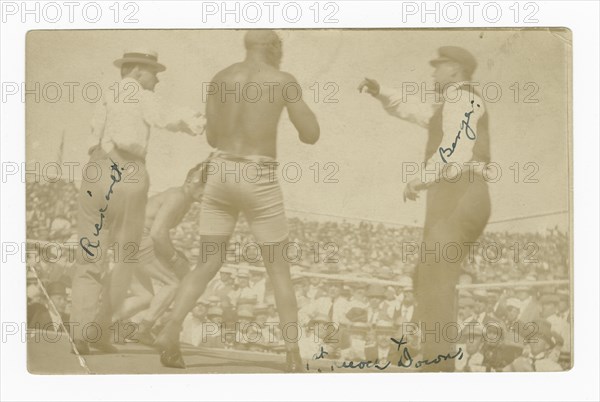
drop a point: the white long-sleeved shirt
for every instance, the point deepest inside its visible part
(455, 107)
(127, 112)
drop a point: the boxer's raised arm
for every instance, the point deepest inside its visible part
(302, 117)
(211, 117)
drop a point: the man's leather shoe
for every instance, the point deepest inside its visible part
(172, 357)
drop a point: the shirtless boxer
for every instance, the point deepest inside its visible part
(243, 108)
(158, 259)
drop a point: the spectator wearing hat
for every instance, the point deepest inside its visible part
(558, 324)
(214, 317)
(331, 301)
(383, 349)
(211, 301)
(261, 313)
(300, 287)
(222, 287)
(358, 296)
(390, 304)
(512, 310)
(530, 308)
(242, 289)
(121, 131)
(537, 354)
(472, 360)
(354, 335)
(258, 282)
(193, 325)
(245, 316)
(375, 294)
(480, 307)
(338, 302)
(407, 308)
(314, 339)
(214, 314)
(261, 318)
(457, 210)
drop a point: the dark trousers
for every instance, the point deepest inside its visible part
(457, 213)
(116, 223)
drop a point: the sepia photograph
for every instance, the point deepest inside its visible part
(299, 201)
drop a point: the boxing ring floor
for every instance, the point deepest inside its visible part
(53, 356)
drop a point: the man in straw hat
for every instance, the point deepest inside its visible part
(243, 128)
(457, 208)
(112, 205)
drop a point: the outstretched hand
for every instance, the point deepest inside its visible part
(411, 191)
(370, 86)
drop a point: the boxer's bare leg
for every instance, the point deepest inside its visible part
(278, 268)
(192, 286)
(160, 302)
(285, 296)
(133, 305)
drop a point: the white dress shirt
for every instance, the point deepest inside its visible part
(458, 104)
(127, 112)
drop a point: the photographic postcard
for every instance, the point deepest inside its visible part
(306, 201)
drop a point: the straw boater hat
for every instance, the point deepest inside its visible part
(141, 56)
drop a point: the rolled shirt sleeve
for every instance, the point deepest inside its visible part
(406, 108)
(158, 113)
(127, 114)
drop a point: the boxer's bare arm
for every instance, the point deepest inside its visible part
(243, 114)
(302, 117)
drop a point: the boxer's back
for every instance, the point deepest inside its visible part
(244, 112)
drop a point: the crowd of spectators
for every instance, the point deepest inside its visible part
(355, 275)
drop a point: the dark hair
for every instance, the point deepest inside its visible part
(126, 68)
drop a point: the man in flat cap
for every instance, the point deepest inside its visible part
(243, 129)
(112, 204)
(458, 206)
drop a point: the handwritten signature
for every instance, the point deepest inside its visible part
(405, 360)
(464, 125)
(85, 242)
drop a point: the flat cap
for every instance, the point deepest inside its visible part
(458, 55)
